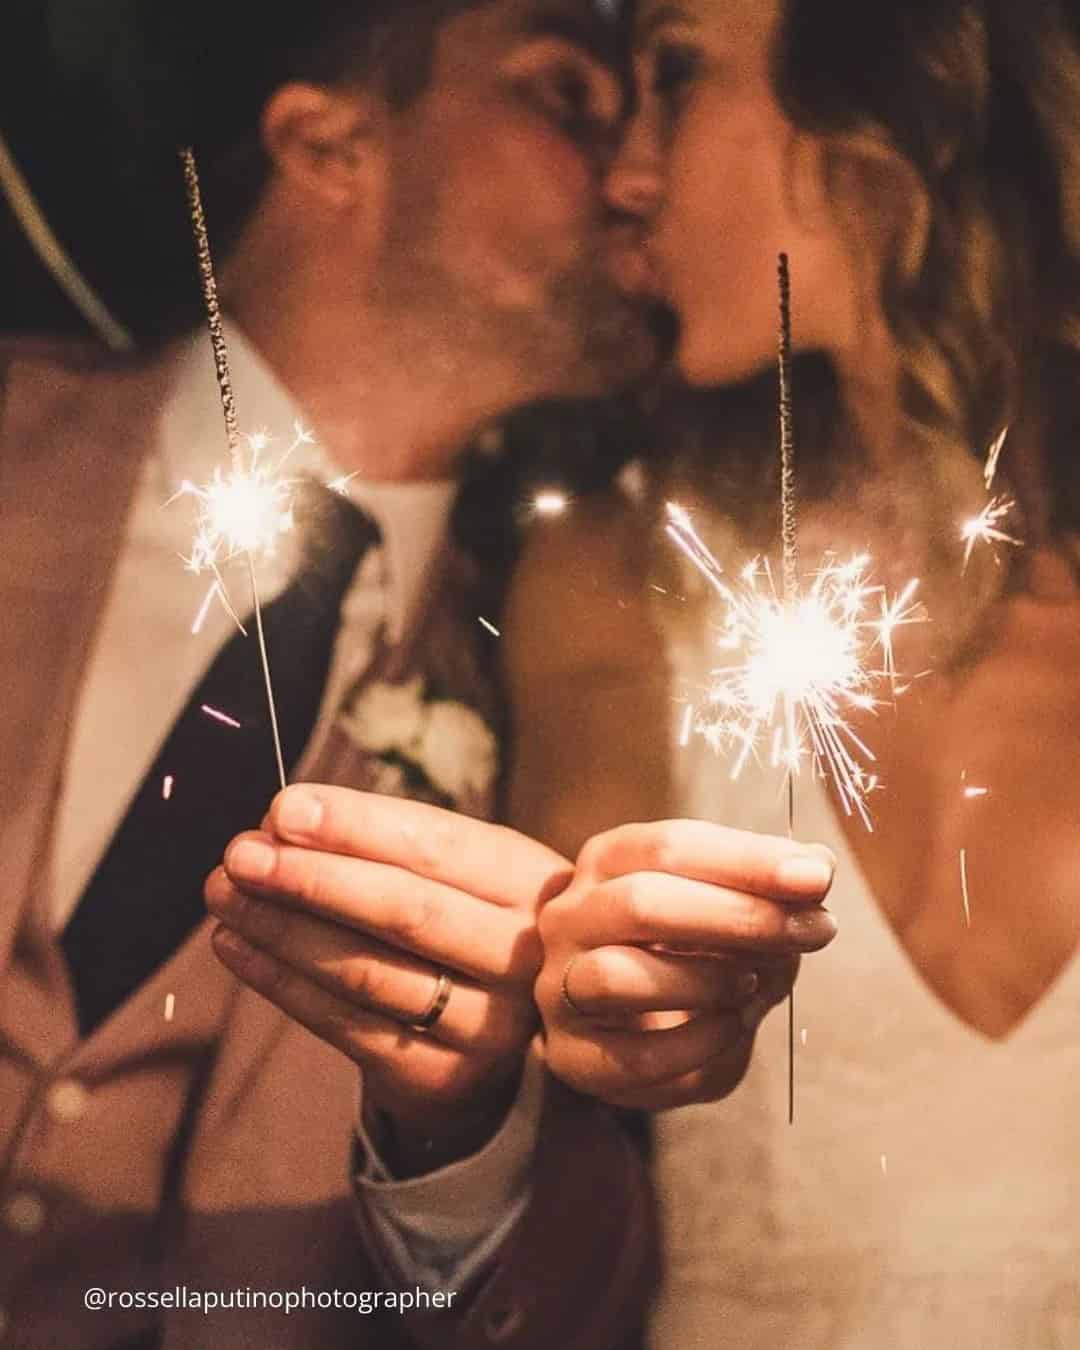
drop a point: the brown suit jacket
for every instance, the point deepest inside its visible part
(212, 1151)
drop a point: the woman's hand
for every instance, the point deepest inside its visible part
(670, 945)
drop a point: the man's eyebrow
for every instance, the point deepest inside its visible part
(659, 18)
(597, 39)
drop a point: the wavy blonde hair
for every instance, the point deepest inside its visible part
(954, 127)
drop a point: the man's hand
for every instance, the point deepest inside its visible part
(664, 954)
(345, 909)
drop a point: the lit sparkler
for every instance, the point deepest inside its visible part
(799, 667)
(804, 659)
(244, 511)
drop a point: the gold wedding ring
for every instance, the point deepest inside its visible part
(578, 1012)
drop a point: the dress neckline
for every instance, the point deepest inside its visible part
(864, 897)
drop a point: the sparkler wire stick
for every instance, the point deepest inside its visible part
(790, 542)
(210, 297)
(228, 408)
(789, 534)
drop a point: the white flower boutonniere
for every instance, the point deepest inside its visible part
(440, 742)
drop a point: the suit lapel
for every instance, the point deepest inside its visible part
(71, 445)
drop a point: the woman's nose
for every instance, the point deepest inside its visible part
(634, 182)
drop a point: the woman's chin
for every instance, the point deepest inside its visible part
(705, 363)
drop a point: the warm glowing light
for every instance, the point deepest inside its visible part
(798, 668)
(243, 511)
(985, 527)
(550, 503)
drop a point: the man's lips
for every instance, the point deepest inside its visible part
(632, 267)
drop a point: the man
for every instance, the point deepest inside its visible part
(426, 249)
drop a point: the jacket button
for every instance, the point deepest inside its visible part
(24, 1213)
(67, 1101)
(501, 1323)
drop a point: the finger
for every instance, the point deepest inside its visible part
(711, 1083)
(609, 980)
(760, 864)
(609, 1064)
(431, 1070)
(432, 920)
(650, 907)
(489, 861)
(372, 976)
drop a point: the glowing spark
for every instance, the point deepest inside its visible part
(884, 1165)
(219, 716)
(984, 528)
(167, 787)
(204, 609)
(170, 1006)
(550, 503)
(341, 485)
(993, 455)
(964, 885)
(243, 511)
(976, 792)
(802, 1037)
(798, 667)
(687, 726)
(489, 626)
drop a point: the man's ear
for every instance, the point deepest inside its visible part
(323, 141)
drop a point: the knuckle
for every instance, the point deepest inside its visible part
(547, 990)
(594, 853)
(411, 916)
(302, 872)
(268, 923)
(436, 843)
(631, 896)
(659, 847)
(554, 918)
(364, 981)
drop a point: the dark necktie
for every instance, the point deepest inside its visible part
(146, 896)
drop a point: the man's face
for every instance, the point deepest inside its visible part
(497, 252)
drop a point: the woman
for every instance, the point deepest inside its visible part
(920, 164)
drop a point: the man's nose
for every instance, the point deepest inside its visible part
(634, 181)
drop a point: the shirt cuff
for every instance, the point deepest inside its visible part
(440, 1228)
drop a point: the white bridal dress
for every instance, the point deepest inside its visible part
(927, 1196)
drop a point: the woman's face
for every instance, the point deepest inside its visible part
(724, 185)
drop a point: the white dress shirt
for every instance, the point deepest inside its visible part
(146, 660)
